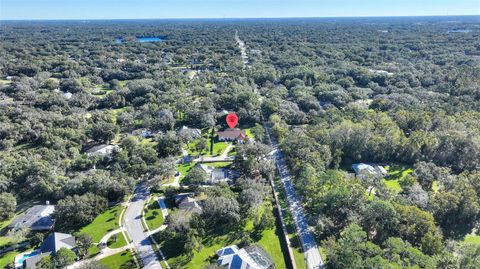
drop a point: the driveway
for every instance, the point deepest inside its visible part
(134, 227)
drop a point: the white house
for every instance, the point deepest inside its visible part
(103, 150)
(367, 169)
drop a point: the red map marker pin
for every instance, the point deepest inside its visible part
(232, 120)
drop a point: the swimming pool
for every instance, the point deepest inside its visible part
(19, 259)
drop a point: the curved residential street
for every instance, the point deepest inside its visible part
(134, 227)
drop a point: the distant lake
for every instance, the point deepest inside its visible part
(143, 39)
(460, 31)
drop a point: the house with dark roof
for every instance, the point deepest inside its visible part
(53, 243)
(232, 135)
(251, 257)
(36, 218)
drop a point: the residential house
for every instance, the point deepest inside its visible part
(233, 135)
(252, 257)
(189, 133)
(215, 175)
(36, 218)
(190, 204)
(53, 243)
(362, 169)
(105, 151)
(187, 202)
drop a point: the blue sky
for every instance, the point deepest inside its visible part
(134, 9)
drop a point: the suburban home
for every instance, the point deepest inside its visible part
(105, 151)
(49, 246)
(187, 202)
(190, 133)
(36, 218)
(233, 135)
(214, 174)
(251, 257)
(362, 169)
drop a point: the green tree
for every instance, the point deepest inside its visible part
(8, 204)
(75, 211)
(380, 219)
(84, 242)
(64, 257)
(46, 262)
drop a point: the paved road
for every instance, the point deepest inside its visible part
(310, 248)
(134, 227)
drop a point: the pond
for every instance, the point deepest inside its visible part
(143, 39)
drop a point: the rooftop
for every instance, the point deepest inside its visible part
(36, 218)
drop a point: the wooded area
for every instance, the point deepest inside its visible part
(401, 91)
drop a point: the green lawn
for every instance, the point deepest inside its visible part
(248, 132)
(4, 240)
(219, 148)
(472, 239)
(395, 173)
(435, 186)
(393, 185)
(8, 258)
(153, 215)
(101, 225)
(119, 242)
(116, 261)
(219, 164)
(270, 241)
(297, 251)
(184, 168)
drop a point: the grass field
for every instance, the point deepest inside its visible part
(153, 215)
(104, 223)
(8, 258)
(219, 148)
(184, 168)
(116, 261)
(119, 242)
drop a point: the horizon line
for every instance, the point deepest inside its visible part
(247, 18)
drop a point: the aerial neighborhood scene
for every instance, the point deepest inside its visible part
(273, 134)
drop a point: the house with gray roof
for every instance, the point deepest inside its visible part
(53, 243)
(36, 218)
